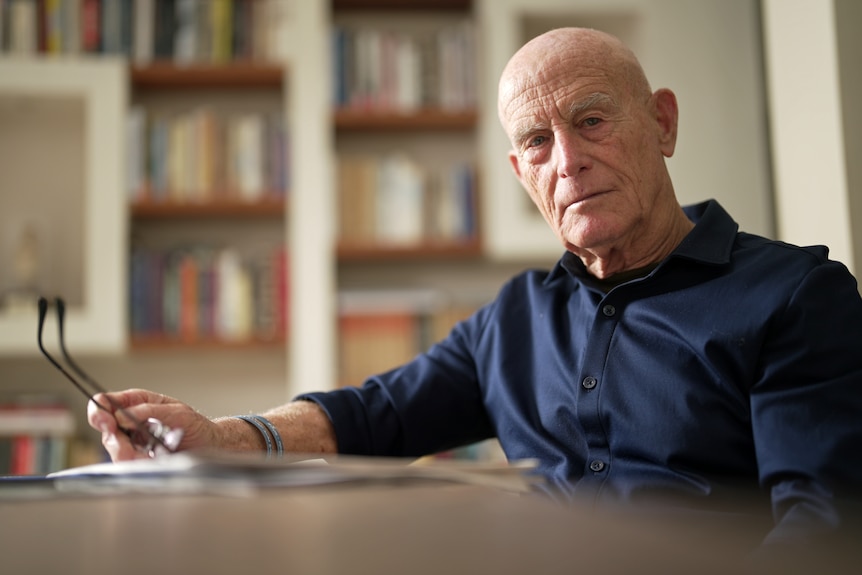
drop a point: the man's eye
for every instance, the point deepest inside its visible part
(536, 141)
(591, 122)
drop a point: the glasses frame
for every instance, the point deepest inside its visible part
(149, 437)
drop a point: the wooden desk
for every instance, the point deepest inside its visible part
(405, 529)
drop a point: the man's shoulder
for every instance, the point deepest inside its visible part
(768, 252)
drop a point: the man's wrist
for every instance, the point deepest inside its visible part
(237, 435)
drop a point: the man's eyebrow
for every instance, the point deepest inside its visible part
(591, 101)
(522, 133)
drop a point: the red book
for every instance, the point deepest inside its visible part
(23, 455)
(188, 297)
(90, 33)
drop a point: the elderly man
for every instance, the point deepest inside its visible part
(666, 356)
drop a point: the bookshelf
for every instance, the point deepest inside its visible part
(405, 111)
(114, 89)
(209, 157)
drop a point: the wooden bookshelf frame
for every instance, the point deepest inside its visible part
(427, 119)
(428, 250)
(402, 5)
(268, 207)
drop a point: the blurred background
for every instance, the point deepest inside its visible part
(242, 200)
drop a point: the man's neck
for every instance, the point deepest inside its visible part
(643, 251)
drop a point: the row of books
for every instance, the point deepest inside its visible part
(185, 31)
(203, 293)
(383, 329)
(393, 70)
(34, 436)
(394, 200)
(202, 154)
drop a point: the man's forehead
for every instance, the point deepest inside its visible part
(532, 106)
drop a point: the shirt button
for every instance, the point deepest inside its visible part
(597, 465)
(609, 310)
(589, 382)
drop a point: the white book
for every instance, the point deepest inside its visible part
(278, 30)
(144, 31)
(408, 64)
(136, 149)
(23, 21)
(234, 315)
(400, 197)
(249, 155)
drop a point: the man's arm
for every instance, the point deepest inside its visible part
(807, 408)
(303, 426)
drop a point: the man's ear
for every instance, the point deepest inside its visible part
(513, 160)
(666, 116)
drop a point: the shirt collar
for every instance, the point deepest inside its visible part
(709, 242)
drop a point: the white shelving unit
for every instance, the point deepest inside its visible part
(94, 93)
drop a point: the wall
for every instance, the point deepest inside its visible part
(707, 51)
(808, 133)
(848, 16)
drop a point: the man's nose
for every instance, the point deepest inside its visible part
(569, 153)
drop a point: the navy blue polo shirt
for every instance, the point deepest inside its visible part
(735, 361)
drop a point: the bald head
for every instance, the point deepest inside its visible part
(589, 142)
(582, 50)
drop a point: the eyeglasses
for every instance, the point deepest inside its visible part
(151, 437)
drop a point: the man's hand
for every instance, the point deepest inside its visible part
(198, 431)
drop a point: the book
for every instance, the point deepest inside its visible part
(165, 29)
(136, 152)
(91, 32)
(400, 201)
(249, 155)
(72, 12)
(234, 297)
(374, 343)
(357, 193)
(380, 329)
(144, 18)
(23, 27)
(184, 31)
(53, 23)
(221, 13)
(34, 432)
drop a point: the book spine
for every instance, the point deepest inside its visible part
(91, 40)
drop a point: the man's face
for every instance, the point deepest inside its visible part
(587, 148)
